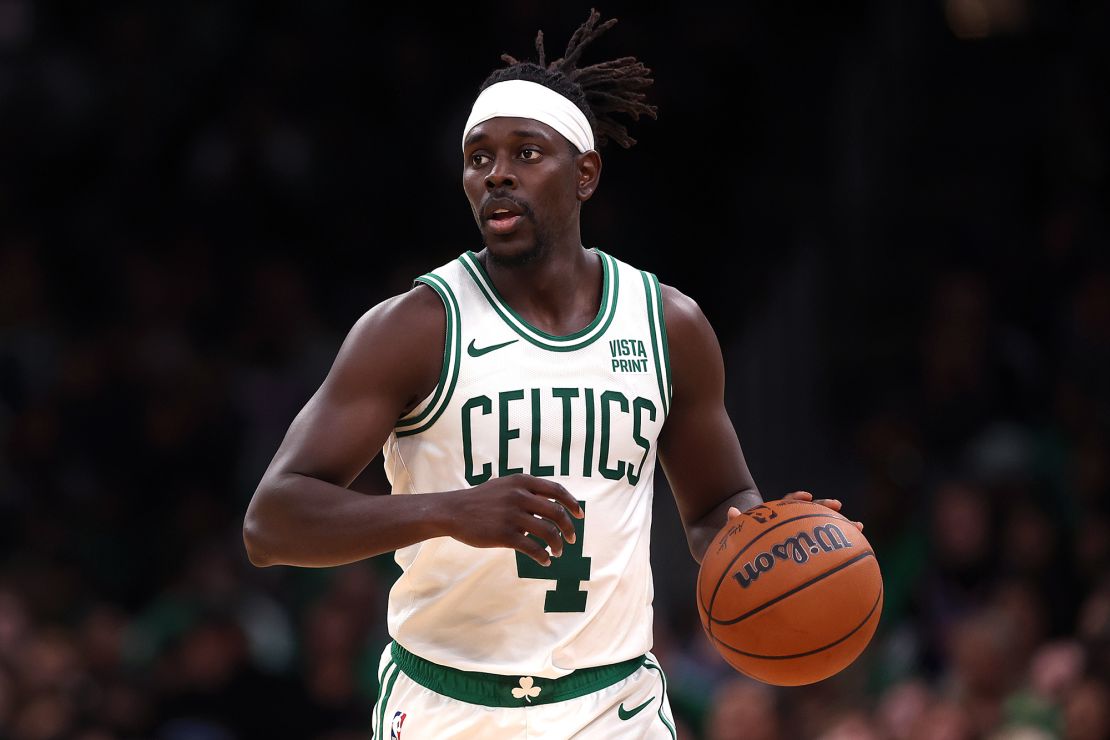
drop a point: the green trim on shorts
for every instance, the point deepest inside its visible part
(653, 667)
(496, 690)
(384, 690)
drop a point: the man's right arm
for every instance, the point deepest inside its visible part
(303, 512)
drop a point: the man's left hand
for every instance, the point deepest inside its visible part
(832, 503)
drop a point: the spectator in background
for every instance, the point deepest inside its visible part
(744, 709)
(901, 708)
(1087, 711)
(1093, 629)
(983, 667)
(851, 725)
(1054, 672)
(945, 719)
(957, 569)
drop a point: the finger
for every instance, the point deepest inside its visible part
(556, 513)
(832, 503)
(546, 531)
(733, 512)
(859, 525)
(798, 496)
(552, 490)
(532, 549)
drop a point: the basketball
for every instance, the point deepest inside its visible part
(790, 592)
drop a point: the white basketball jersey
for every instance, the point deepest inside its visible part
(584, 410)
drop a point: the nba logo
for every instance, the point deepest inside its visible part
(395, 726)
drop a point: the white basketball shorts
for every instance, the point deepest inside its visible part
(420, 700)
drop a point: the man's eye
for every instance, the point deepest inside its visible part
(478, 160)
(530, 154)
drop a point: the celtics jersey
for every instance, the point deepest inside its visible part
(584, 410)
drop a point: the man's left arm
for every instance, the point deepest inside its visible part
(698, 447)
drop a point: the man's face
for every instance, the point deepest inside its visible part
(523, 182)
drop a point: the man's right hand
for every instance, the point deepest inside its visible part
(501, 511)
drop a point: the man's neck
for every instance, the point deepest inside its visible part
(558, 293)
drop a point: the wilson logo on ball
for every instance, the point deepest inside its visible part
(797, 549)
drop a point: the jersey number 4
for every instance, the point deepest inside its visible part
(568, 571)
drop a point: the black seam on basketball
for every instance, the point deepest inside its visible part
(728, 568)
(854, 630)
(708, 623)
(736, 667)
(796, 589)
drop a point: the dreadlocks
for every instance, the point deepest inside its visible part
(600, 90)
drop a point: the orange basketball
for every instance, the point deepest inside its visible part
(790, 592)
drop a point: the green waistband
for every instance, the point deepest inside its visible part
(495, 690)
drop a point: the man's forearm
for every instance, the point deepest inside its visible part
(298, 520)
(700, 533)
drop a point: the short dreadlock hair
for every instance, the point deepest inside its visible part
(599, 90)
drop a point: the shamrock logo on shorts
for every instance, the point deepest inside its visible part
(526, 690)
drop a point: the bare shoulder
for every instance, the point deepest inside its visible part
(695, 353)
(417, 310)
(413, 316)
(686, 323)
(397, 344)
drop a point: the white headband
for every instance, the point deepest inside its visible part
(523, 99)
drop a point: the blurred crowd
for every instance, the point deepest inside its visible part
(185, 239)
(992, 525)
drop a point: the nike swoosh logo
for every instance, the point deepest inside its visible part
(630, 713)
(475, 352)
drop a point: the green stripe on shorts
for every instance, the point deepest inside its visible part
(495, 690)
(383, 696)
(653, 667)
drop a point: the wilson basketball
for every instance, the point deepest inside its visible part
(790, 592)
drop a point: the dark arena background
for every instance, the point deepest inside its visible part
(895, 214)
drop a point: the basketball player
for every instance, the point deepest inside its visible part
(521, 395)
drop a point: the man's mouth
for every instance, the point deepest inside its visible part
(502, 221)
(501, 214)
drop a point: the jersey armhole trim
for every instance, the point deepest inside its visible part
(659, 347)
(449, 374)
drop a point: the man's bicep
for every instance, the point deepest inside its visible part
(375, 377)
(334, 441)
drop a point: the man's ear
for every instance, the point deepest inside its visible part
(589, 174)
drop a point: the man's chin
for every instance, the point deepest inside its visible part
(505, 255)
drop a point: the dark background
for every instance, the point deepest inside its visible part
(893, 213)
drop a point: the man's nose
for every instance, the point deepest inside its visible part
(500, 176)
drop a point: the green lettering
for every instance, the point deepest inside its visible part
(534, 466)
(504, 433)
(486, 405)
(603, 459)
(588, 453)
(637, 406)
(564, 450)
